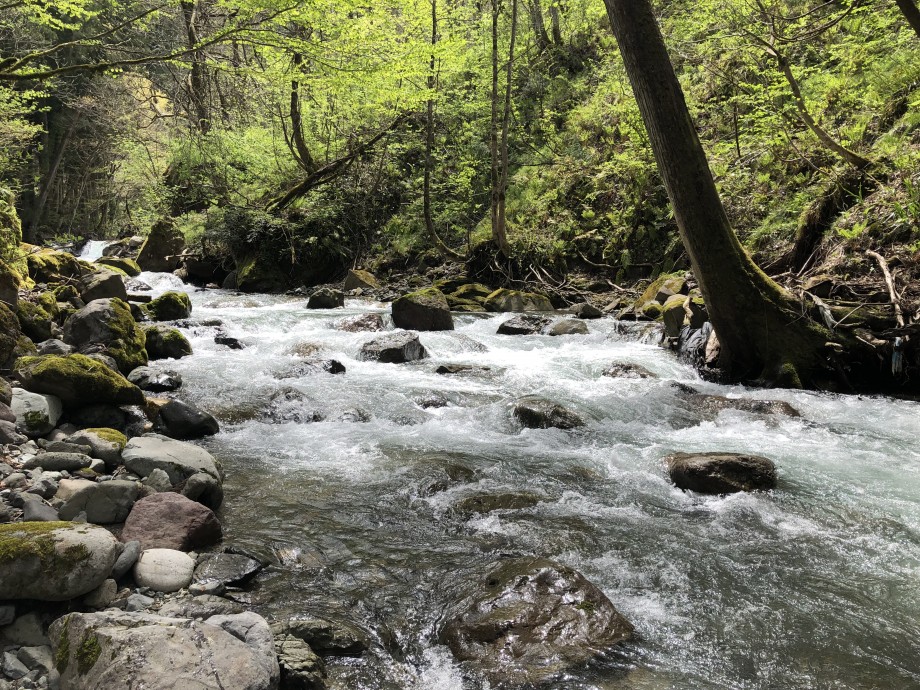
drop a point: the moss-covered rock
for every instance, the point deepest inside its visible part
(163, 245)
(13, 343)
(77, 380)
(169, 306)
(258, 274)
(360, 279)
(54, 561)
(423, 310)
(503, 300)
(103, 283)
(10, 282)
(110, 323)
(127, 266)
(51, 266)
(166, 343)
(673, 315)
(37, 315)
(10, 233)
(650, 311)
(663, 287)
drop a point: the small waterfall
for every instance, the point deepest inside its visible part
(92, 250)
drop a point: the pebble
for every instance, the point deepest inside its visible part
(138, 602)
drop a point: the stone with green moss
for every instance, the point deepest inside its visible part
(10, 233)
(169, 306)
(673, 315)
(51, 266)
(164, 342)
(651, 311)
(505, 300)
(662, 287)
(37, 315)
(109, 322)
(360, 279)
(54, 561)
(127, 266)
(105, 444)
(77, 380)
(13, 343)
(103, 283)
(10, 282)
(259, 274)
(423, 310)
(164, 243)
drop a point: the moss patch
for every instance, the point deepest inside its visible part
(88, 653)
(37, 314)
(36, 539)
(50, 266)
(13, 343)
(62, 655)
(128, 267)
(109, 435)
(163, 343)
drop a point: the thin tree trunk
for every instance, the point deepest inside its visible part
(498, 235)
(48, 182)
(911, 14)
(555, 23)
(848, 156)
(760, 327)
(539, 26)
(506, 118)
(429, 143)
(197, 81)
(301, 150)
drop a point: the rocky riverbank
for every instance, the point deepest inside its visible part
(111, 541)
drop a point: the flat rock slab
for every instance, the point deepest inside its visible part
(721, 473)
(232, 569)
(178, 459)
(112, 649)
(531, 621)
(54, 561)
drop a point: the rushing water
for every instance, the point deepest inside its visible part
(92, 250)
(814, 585)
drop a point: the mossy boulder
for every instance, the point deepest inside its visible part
(169, 306)
(77, 380)
(673, 315)
(503, 300)
(259, 274)
(10, 232)
(13, 343)
(54, 561)
(360, 279)
(663, 287)
(477, 292)
(127, 266)
(423, 310)
(10, 281)
(162, 247)
(164, 342)
(103, 283)
(650, 311)
(37, 315)
(108, 322)
(52, 266)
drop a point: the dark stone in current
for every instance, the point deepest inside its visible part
(721, 473)
(326, 298)
(568, 327)
(535, 412)
(586, 311)
(628, 370)
(716, 403)
(231, 569)
(228, 341)
(526, 324)
(185, 422)
(486, 503)
(424, 310)
(328, 637)
(394, 348)
(446, 369)
(311, 367)
(531, 621)
(364, 322)
(154, 381)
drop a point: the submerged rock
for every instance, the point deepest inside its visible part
(364, 322)
(487, 503)
(535, 412)
(327, 637)
(424, 310)
(54, 561)
(170, 306)
(721, 473)
(628, 370)
(232, 569)
(533, 620)
(394, 348)
(716, 403)
(326, 298)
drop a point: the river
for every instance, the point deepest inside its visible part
(814, 585)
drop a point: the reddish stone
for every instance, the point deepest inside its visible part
(171, 521)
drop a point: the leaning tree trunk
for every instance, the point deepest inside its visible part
(761, 329)
(911, 14)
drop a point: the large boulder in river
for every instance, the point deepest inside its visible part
(504, 299)
(360, 279)
(165, 342)
(326, 298)
(162, 247)
(536, 412)
(185, 422)
(533, 620)
(77, 380)
(178, 459)
(170, 521)
(54, 561)
(721, 473)
(117, 649)
(394, 348)
(108, 322)
(424, 310)
(128, 266)
(170, 306)
(36, 414)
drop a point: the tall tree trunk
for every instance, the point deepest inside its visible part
(506, 118)
(197, 81)
(429, 142)
(760, 327)
(500, 147)
(911, 14)
(555, 23)
(47, 184)
(539, 26)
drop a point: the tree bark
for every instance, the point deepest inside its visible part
(429, 142)
(911, 14)
(761, 329)
(539, 26)
(301, 150)
(500, 148)
(197, 81)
